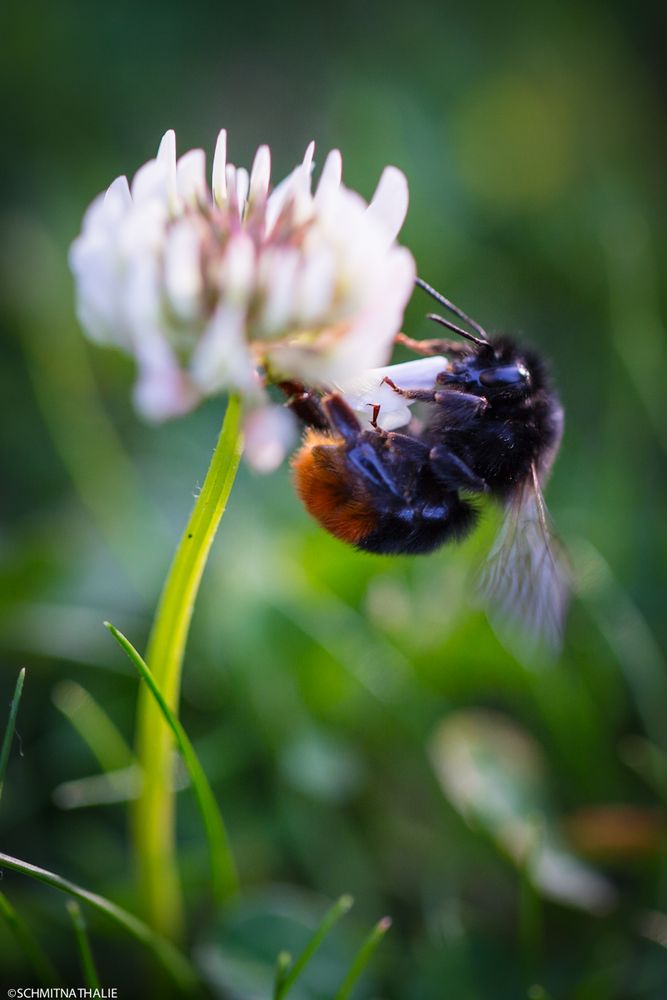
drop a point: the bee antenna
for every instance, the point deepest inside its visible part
(457, 329)
(483, 335)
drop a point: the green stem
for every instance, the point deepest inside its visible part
(287, 975)
(88, 967)
(362, 958)
(153, 814)
(11, 725)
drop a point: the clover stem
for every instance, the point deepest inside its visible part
(153, 815)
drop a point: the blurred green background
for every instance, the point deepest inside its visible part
(363, 728)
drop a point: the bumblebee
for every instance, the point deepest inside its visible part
(493, 425)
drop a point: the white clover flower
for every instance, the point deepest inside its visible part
(227, 287)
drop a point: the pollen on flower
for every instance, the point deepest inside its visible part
(222, 288)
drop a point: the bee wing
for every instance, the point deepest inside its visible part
(525, 583)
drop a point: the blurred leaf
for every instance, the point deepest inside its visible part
(494, 775)
(234, 977)
(241, 963)
(322, 767)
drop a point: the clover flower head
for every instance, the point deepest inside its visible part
(232, 285)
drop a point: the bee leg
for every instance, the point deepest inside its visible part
(453, 472)
(306, 405)
(459, 407)
(459, 404)
(406, 445)
(429, 348)
(424, 395)
(341, 417)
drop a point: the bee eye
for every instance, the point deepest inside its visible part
(505, 375)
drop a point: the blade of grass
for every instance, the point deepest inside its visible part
(223, 870)
(362, 958)
(40, 961)
(283, 963)
(11, 725)
(88, 968)
(169, 957)
(98, 732)
(285, 979)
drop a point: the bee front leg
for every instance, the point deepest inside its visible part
(341, 417)
(423, 395)
(459, 408)
(458, 405)
(453, 472)
(305, 405)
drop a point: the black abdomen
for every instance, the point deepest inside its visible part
(419, 531)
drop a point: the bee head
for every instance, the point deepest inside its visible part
(492, 367)
(495, 369)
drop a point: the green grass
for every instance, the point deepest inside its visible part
(88, 967)
(40, 963)
(171, 960)
(10, 727)
(224, 880)
(288, 971)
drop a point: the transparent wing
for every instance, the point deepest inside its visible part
(525, 584)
